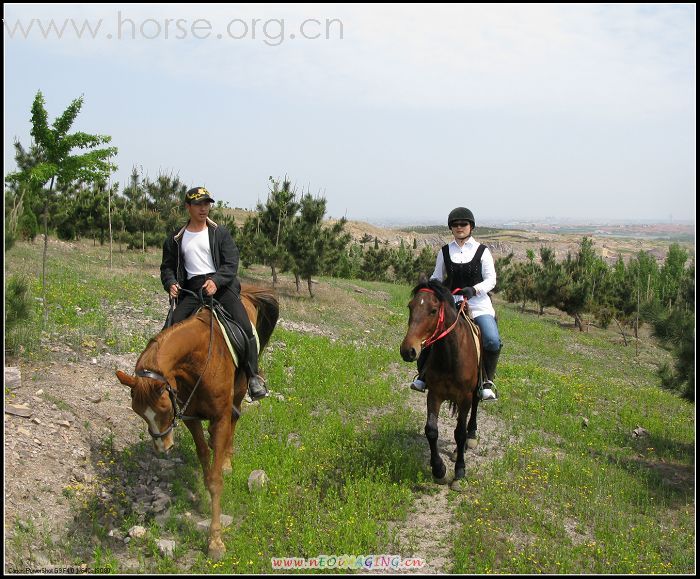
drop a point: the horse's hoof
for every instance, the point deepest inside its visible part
(440, 473)
(216, 549)
(227, 467)
(441, 481)
(472, 443)
(459, 473)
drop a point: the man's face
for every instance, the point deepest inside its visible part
(199, 211)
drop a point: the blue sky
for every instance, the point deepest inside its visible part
(396, 113)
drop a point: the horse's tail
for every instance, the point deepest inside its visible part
(268, 308)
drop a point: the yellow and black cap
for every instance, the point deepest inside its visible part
(198, 195)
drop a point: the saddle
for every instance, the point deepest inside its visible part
(476, 333)
(234, 335)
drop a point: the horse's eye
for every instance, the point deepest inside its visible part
(433, 312)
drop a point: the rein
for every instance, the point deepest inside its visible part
(439, 327)
(178, 414)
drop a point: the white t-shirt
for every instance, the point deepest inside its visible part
(195, 248)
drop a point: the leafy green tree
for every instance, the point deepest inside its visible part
(671, 275)
(165, 197)
(311, 246)
(136, 211)
(676, 331)
(264, 234)
(402, 262)
(424, 263)
(58, 166)
(519, 285)
(376, 263)
(548, 279)
(584, 271)
(22, 197)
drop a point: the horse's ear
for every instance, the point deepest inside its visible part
(126, 379)
(422, 278)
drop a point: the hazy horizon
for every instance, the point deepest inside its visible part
(392, 112)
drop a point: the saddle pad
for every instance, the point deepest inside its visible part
(476, 332)
(231, 349)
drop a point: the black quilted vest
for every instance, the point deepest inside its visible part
(460, 275)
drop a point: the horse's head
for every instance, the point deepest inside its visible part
(152, 400)
(426, 313)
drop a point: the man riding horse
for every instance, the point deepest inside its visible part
(467, 265)
(202, 255)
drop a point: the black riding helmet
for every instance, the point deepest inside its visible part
(460, 214)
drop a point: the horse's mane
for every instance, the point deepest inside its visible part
(442, 292)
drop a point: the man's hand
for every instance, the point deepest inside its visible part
(174, 290)
(468, 292)
(209, 287)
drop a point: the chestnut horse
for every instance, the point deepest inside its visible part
(452, 369)
(187, 368)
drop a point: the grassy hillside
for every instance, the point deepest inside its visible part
(574, 490)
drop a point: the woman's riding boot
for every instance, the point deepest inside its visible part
(256, 384)
(490, 363)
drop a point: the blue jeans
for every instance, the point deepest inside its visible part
(489, 332)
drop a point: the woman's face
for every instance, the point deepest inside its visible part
(461, 229)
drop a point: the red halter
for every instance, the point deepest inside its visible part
(441, 320)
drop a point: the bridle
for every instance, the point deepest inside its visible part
(440, 331)
(179, 413)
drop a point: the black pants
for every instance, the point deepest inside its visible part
(188, 304)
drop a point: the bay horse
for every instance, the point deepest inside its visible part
(188, 368)
(452, 369)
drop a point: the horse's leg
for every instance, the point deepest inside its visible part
(239, 393)
(431, 433)
(200, 442)
(221, 431)
(472, 442)
(461, 439)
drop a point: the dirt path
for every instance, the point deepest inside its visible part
(430, 527)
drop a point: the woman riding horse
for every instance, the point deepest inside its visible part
(466, 267)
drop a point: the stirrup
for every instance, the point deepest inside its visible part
(256, 388)
(418, 385)
(491, 392)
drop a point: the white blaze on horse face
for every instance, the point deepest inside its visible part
(421, 301)
(150, 417)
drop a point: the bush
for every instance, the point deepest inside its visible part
(18, 301)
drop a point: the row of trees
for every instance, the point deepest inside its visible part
(627, 294)
(287, 234)
(70, 194)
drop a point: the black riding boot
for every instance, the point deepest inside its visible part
(488, 392)
(256, 384)
(490, 363)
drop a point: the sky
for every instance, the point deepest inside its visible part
(394, 113)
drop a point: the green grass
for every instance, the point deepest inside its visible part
(573, 492)
(570, 497)
(86, 299)
(336, 489)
